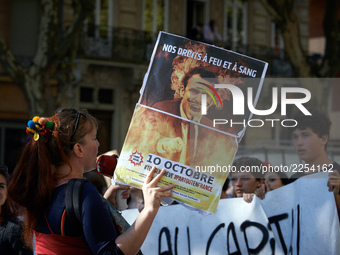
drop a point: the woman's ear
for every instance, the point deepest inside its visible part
(78, 150)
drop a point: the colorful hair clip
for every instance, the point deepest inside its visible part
(39, 128)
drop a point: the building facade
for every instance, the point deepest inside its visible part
(115, 48)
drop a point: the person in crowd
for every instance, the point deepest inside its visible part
(196, 32)
(102, 177)
(310, 137)
(227, 190)
(272, 180)
(63, 147)
(11, 241)
(210, 33)
(97, 180)
(136, 199)
(247, 178)
(224, 189)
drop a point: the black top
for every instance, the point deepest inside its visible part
(10, 238)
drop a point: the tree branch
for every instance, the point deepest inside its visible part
(271, 10)
(85, 8)
(8, 61)
(47, 30)
(284, 17)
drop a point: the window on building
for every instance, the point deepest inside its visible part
(277, 42)
(99, 23)
(86, 95)
(105, 96)
(98, 30)
(197, 11)
(281, 67)
(235, 20)
(155, 16)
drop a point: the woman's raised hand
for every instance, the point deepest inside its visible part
(152, 194)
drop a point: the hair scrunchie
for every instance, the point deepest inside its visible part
(39, 128)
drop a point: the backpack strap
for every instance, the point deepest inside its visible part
(73, 194)
(73, 218)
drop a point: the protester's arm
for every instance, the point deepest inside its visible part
(131, 240)
(111, 193)
(248, 197)
(334, 185)
(261, 191)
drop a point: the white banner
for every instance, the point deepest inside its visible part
(300, 218)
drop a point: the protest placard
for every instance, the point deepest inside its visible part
(179, 122)
(299, 218)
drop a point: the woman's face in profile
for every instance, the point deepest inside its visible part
(273, 181)
(3, 190)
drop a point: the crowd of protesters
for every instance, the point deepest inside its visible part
(64, 147)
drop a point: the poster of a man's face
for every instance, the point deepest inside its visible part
(173, 122)
(194, 85)
(193, 71)
(192, 97)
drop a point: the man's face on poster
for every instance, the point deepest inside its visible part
(192, 97)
